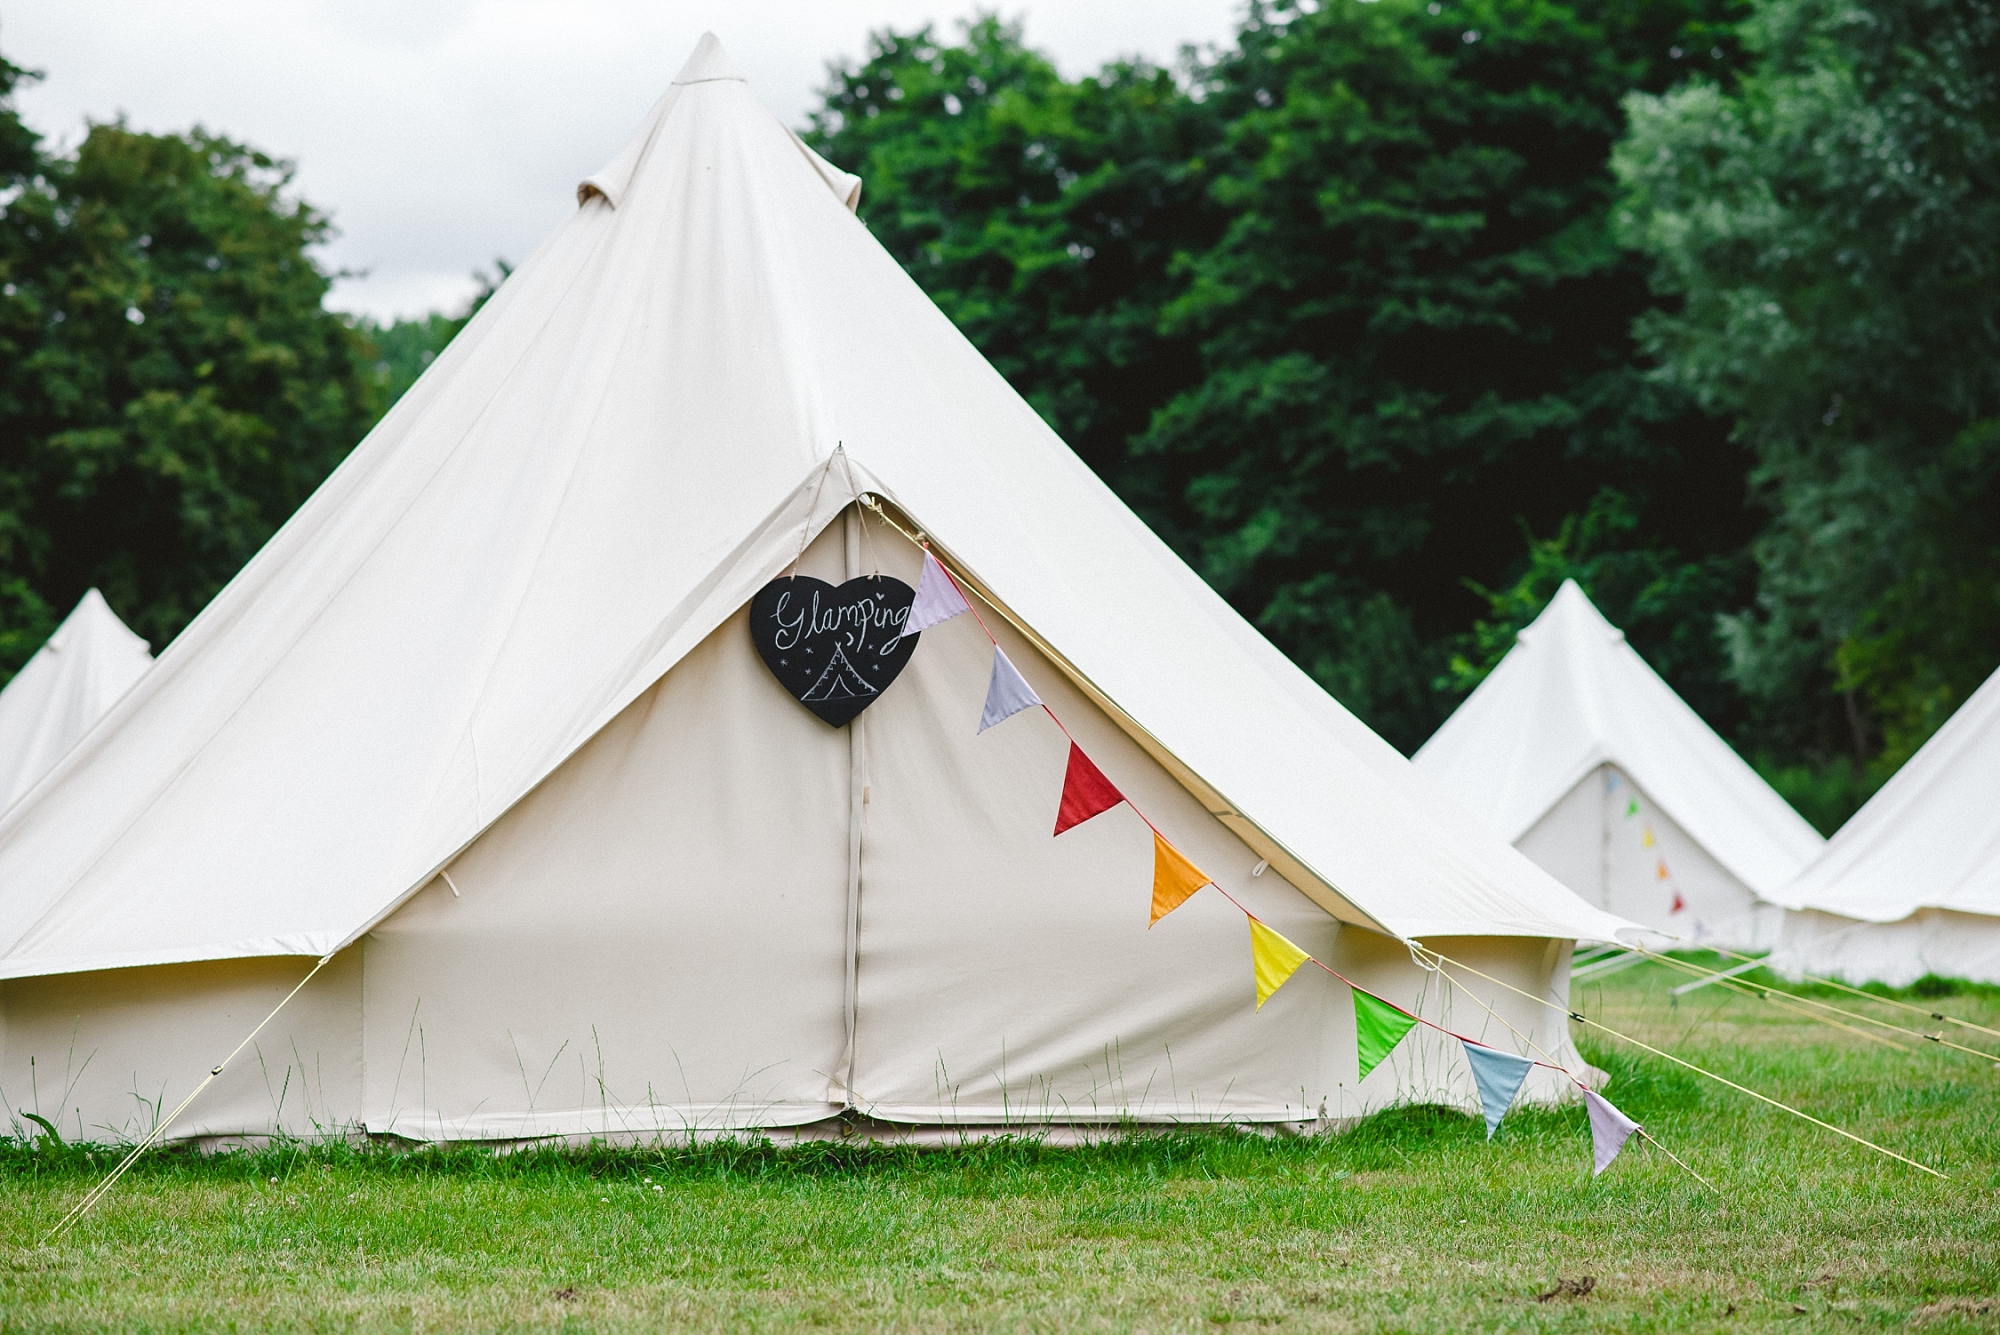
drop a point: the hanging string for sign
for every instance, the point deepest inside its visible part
(834, 648)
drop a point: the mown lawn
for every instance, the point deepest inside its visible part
(1413, 1222)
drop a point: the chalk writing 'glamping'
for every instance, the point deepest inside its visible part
(835, 650)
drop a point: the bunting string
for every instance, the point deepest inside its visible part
(1417, 954)
(1380, 1024)
(1372, 1048)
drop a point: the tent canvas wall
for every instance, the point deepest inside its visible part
(1911, 884)
(88, 662)
(482, 726)
(1574, 750)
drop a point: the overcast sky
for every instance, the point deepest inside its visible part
(443, 133)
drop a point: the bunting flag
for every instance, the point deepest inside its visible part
(938, 599)
(1679, 903)
(1609, 1130)
(1007, 693)
(1647, 841)
(1174, 879)
(1273, 958)
(1631, 804)
(1662, 873)
(1499, 1076)
(1378, 1028)
(1086, 792)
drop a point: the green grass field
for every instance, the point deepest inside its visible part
(1412, 1222)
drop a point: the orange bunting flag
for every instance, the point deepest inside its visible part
(1663, 870)
(1174, 878)
(1086, 792)
(1273, 958)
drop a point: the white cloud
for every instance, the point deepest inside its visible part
(444, 133)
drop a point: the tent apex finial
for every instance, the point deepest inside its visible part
(708, 63)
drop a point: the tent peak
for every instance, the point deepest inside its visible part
(709, 64)
(91, 615)
(1572, 608)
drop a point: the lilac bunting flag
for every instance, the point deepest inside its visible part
(1499, 1076)
(938, 599)
(1609, 1129)
(1007, 692)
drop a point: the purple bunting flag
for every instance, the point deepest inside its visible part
(938, 599)
(1609, 1129)
(1007, 692)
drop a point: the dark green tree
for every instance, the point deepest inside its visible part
(1830, 232)
(1042, 215)
(171, 387)
(1415, 329)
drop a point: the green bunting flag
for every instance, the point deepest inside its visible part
(1378, 1028)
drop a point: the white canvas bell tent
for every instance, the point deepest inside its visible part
(1576, 752)
(88, 662)
(1911, 884)
(484, 725)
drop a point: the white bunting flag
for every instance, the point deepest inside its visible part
(1007, 693)
(1609, 1130)
(938, 599)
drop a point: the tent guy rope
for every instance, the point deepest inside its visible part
(1764, 962)
(97, 1193)
(1580, 1018)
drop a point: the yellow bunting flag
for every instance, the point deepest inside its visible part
(1647, 842)
(1274, 959)
(1174, 878)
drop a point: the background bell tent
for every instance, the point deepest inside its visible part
(484, 728)
(90, 661)
(1577, 753)
(1911, 884)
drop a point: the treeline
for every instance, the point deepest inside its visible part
(171, 385)
(1389, 317)
(1393, 315)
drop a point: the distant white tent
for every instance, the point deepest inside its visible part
(1911, 884)
(89, 662)
(484, 726)
(1576, 752)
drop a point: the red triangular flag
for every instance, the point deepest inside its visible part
(1086, 792)
(1679, 903)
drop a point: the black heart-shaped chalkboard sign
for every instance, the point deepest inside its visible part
(835, 650)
